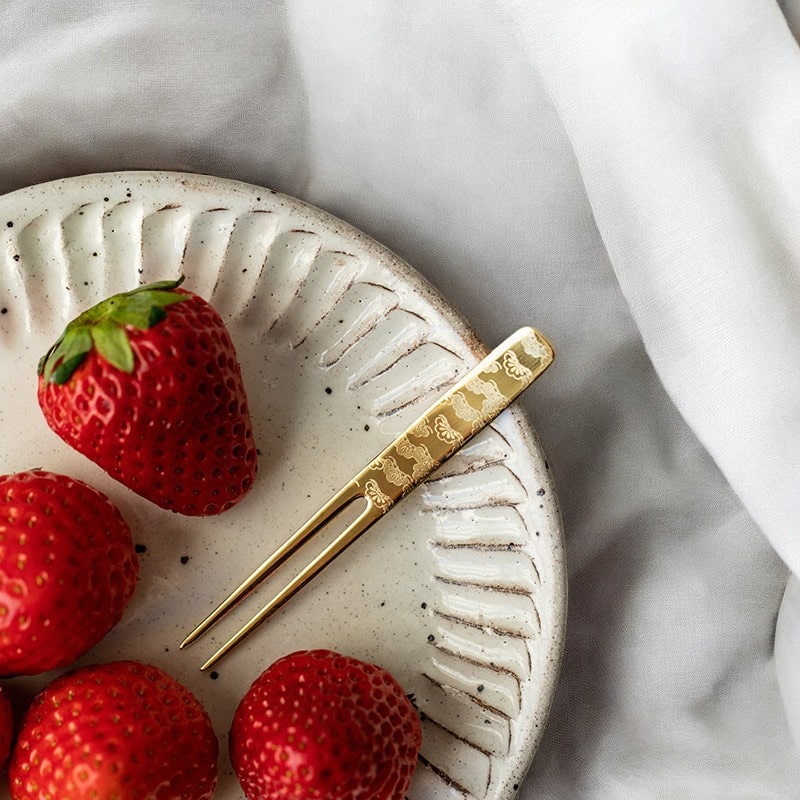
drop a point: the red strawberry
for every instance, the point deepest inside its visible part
(321, 725)
(67, 570)
(6, 726)
(147, 385)
(119, 731)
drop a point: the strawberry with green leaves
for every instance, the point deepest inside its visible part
(117, 731)
(318, 724)
(147, 385)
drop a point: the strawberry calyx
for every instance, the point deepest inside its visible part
(105, 328)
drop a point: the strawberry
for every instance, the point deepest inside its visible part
(321, 725)
(147, 385)
(6, 726)
(118, 731)
(67, 570)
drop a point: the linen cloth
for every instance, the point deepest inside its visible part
(623, 175)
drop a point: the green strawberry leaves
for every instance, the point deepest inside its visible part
(67, 356)
(104, 328)
(111, 342)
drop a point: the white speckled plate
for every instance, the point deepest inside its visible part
(459, 591)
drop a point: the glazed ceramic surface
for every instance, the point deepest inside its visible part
(459, 591)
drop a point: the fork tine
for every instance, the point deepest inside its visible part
(262, 572)
(368, 516)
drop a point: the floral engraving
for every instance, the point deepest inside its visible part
(495, 400)
(535, 349)
(421, 430)
(513, 367)
(419, 454)
(393, 473)
(464, 410)
(374, 493)
(445, 431)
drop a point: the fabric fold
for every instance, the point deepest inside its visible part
(685, 119)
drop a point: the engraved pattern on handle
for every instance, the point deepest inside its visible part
(468, 407)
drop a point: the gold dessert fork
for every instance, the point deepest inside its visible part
(471, 404)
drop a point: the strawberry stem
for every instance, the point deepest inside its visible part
(105, 328)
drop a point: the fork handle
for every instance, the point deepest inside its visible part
(454, 419)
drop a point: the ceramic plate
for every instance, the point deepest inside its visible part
(459, 591)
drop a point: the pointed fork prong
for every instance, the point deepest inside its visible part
(336, 504)
(367, 517)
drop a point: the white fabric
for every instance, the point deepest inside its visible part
(525, 157)
(690, 162)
